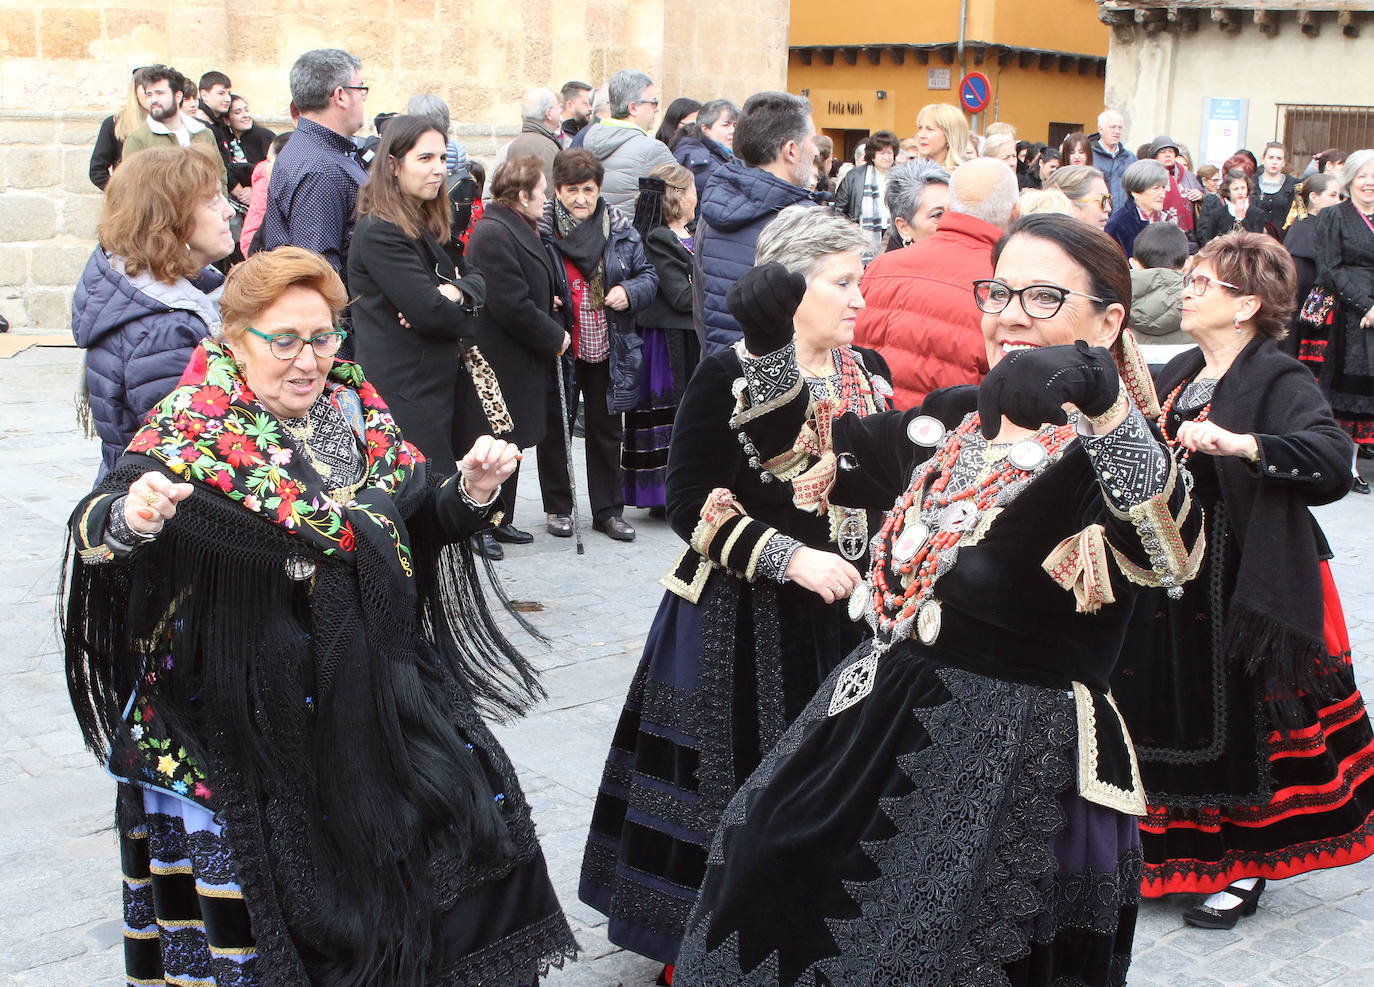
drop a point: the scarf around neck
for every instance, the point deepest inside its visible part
(584, 243)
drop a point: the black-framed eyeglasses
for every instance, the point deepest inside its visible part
(1039, 301)
(359, 89)
(287, 345)
(651, 102)
(1201, 282)
(1104, 201)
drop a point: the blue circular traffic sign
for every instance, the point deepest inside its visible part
(974, 92)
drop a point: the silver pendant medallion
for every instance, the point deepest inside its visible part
(1027, 455)
(299, 569)
(957, 516)
(860, 600)
(928, 621)
(925, 430)
(852, 538)
(909, 542)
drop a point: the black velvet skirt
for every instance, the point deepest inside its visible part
(930, 834)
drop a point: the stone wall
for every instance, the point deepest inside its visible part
(64, 66)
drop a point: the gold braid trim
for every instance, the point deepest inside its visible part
(1135, 374)
(488, 391)
(1091, 787)
(1172, 562)
(1079, 564)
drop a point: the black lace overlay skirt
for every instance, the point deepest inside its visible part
(931, 834)
(717, 684)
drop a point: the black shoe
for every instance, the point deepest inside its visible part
(616, 528)
(658, 513)
(1360, 487)
(485, 544)
(511, 535)
(559, 525)
(1205, 917)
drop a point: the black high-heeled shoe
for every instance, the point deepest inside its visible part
(1360, 487)
(1204, 916)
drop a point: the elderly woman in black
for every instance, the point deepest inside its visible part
(751, 621)
(275, 652)
(955, 804)
(1345, 265)
(518, 330)
(604, 279)
(1253, 742)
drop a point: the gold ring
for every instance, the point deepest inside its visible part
(151, 497)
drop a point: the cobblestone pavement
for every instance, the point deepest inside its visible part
(59, 894)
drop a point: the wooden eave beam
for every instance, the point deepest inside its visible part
(804, 55)
(1267, 22)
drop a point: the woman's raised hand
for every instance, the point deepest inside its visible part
(1210, 438)
(763, 302)
(151, 500)
(486, 466)
(823, 573)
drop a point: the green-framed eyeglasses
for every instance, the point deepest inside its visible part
(287, 345)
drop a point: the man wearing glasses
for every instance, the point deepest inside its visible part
(314, 187)
(624, 143)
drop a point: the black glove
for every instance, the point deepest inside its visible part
(1028, 386)
(763, 302)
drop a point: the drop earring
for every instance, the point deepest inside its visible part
(1236, 322)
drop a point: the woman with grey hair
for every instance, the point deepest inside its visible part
(917, 196)
(1147, 183)
(752, 620)
(434, 108)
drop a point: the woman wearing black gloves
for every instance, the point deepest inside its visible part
(956, 802)
(413, 310)
(751, 622)
(1253, 741)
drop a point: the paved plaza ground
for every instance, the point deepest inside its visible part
(59, 871)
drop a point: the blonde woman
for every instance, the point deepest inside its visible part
(942, 135)
(109, 142)
(1034, 200)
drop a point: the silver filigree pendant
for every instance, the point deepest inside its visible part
(854, 683)
(299, 569)
(852, 537)
(958, 516)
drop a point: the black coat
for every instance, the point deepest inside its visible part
(417, 370)
(106, 154)
(671, 307)
(1215, 219)
(255, 142)
(625, 265)
(517, 329)
(1274, 206)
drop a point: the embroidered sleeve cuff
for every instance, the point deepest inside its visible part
(1161, 531)
(119, 537)
(729, 537)
(770, 376)
(88, 525)
(1130, 463)
(777, 556)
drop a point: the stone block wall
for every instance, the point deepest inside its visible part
(65, 65)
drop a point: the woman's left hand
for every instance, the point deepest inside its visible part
(486, 466)
(1368, 320)
(617, 299)
(1211, 438)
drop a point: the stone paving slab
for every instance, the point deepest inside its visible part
(59, 895)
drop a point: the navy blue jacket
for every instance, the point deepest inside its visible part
(703, 158)
(627, 266)
(1123, 227)
(138, 334)
(738, 203)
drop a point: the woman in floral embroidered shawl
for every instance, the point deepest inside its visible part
(276, 643)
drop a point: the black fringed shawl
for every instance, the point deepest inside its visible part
(1274, 618)
(334, 718)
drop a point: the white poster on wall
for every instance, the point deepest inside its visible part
(1223, 129)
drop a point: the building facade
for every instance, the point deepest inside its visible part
(872, 64)
(1222, 75)
(65, 65)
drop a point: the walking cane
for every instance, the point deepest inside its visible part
(567, 447)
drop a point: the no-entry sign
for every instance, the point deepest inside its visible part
(974, 92)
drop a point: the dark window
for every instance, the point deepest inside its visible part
(1058, 131)
(1307, 129)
